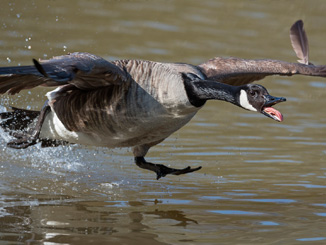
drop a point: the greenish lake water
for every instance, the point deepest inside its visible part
(262, 182)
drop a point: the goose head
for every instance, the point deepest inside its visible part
(254, 97)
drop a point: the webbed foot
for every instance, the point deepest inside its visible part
(162, 170)
(22, 142)
(24, 139)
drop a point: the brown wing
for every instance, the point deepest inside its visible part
(235, 71)
(83, 70)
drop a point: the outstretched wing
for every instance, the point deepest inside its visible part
(235, 71)
(83, 70)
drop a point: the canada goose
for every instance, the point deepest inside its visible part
(133, 103)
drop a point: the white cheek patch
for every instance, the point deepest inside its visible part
(244, 102)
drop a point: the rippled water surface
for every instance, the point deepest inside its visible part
(261, 181)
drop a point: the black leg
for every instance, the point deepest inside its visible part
(25, 140)
(162, 170)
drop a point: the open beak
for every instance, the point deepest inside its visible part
(269, 111)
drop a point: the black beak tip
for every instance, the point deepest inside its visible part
(271, 100)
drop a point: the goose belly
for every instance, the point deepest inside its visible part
(125, 133)
(53, 128)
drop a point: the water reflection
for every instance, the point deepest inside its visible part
(175, 215)
(52, 223)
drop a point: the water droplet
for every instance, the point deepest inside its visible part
(8, 59)
(18, 16)
(29, 47)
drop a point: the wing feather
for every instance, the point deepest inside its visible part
(82, 70)
(299, 42)
(236, 71)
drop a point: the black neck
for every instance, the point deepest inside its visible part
(199, 91)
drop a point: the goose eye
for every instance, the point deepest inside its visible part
(253, 93)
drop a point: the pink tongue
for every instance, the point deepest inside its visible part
(274, 112)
